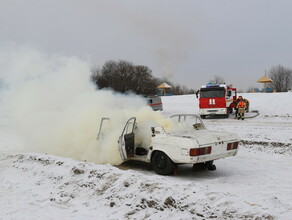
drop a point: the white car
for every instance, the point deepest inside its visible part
(166, 150)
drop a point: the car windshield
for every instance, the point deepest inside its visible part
(188, 121)
(212, 92)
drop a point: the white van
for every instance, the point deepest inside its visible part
(155, 103)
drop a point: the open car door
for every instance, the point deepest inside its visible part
(127, 139)
(100, 127)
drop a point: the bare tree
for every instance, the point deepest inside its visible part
(282, 78)
(123, 76)
(176, 88)
(143, 82)
(218, 80)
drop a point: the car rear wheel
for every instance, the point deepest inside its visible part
(162, 164)
(209, 165)
(205, 165)
(212, 167)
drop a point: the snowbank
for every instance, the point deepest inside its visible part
(58, 188)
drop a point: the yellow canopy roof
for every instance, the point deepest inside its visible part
(163, 86)
(264, 79)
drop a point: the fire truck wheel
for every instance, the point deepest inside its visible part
(162, 164)
(203, 116)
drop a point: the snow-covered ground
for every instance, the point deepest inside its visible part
(255, 184)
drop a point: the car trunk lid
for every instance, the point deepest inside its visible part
(206, 137)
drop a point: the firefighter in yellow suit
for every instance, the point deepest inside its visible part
(241, 105)
(246, 105)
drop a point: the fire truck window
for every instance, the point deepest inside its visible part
(229, 93)
(212, 92)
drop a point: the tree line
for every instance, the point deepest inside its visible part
(123, 76)
(282, 78)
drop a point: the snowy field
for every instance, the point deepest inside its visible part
(255, 184)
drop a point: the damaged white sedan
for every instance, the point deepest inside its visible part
(165, 150)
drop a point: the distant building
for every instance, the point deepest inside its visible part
(265, 80)
(164, 90)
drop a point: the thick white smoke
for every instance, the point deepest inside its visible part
(58, 111)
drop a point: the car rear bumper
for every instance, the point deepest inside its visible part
(205, 158)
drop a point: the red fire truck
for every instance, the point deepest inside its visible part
(217, 99)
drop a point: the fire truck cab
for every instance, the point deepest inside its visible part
(216, 99)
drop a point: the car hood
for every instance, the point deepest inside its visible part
(205, 137)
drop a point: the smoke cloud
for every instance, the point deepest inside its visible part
(173, 41)
(57, 110)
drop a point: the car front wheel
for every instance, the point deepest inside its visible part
(162, 164)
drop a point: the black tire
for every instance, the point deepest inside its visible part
(162, 164)
(212, 167)
(209, 163)
(204, 165)
(200, 166)
(203, 116)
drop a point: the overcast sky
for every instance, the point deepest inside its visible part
(189, 42)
